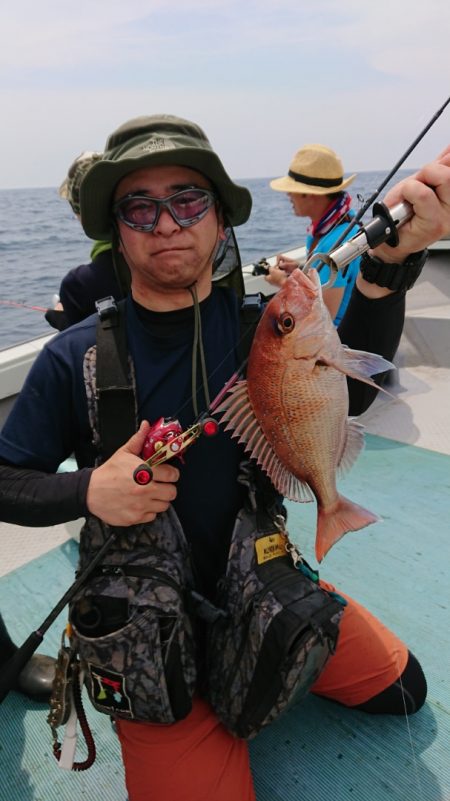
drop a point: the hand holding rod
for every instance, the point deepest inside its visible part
(373, 197)
(383, 228)
(392, 172)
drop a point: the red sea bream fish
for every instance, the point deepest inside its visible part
(291, 411)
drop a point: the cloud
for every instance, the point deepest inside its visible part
(63, 35)
(262, 77)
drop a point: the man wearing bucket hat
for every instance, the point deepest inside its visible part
(87, 283)
(315, 185)
(162, 196)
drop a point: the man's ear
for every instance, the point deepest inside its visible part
(221, 234)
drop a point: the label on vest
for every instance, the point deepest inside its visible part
(270, 547)
(108, 689)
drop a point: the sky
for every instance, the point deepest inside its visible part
(262, 77)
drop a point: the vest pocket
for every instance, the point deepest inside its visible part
(137, 648)
(280, 630)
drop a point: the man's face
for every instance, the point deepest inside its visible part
(169, 258)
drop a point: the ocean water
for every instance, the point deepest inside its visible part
(40, 240)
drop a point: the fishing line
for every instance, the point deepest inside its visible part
(22, 305)
(408, 726)
(229, 383)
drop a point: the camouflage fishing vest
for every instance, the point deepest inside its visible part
(131, 627)
(279, 630)
(130, 624)
(267, 638)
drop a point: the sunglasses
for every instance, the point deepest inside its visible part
(141, 212)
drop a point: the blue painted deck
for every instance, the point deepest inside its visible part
(398, 568)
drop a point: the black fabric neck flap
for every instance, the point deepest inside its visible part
(115, 392)
(227, 267)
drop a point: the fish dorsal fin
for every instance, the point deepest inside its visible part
(354, 444)
(238, 414)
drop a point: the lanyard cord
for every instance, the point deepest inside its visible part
(197, 348)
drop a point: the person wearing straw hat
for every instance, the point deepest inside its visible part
(164, 199)
(315, 185)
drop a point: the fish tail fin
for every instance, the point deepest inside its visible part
(333, 523)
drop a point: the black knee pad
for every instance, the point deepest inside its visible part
(405, 696)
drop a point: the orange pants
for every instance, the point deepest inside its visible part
(197, 759)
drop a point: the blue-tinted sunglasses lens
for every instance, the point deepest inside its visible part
(186, 207)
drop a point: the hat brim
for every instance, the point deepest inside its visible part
(98, 186)
(287, 184)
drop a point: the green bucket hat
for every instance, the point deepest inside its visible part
(150, 141)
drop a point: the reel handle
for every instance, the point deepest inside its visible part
(143, 474)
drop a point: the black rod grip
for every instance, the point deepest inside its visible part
(9, 672)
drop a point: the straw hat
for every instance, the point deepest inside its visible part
(314, 170)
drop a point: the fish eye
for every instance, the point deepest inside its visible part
(285, 323)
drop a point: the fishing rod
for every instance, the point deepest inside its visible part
(383, 228)
(11, 670)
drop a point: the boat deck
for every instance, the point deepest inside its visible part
(399, 568)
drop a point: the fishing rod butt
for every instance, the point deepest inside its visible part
(9, 673)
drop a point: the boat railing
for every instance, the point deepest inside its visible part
(16, 360)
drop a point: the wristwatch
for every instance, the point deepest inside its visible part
(393, 276)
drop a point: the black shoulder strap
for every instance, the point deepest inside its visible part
(115, 391)
(250, 314)
(116, 403)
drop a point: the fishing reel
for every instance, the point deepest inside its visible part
(261, 267)
(166, 440)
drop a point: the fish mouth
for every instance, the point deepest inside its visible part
(309, 282)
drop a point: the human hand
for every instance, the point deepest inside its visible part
(275, 276)
(114, 496)
(285, 263)
(428, 191)
(282, 268)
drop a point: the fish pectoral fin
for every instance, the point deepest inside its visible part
(361, 365)
(365, 363)
(240, 418)
(353, 445)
